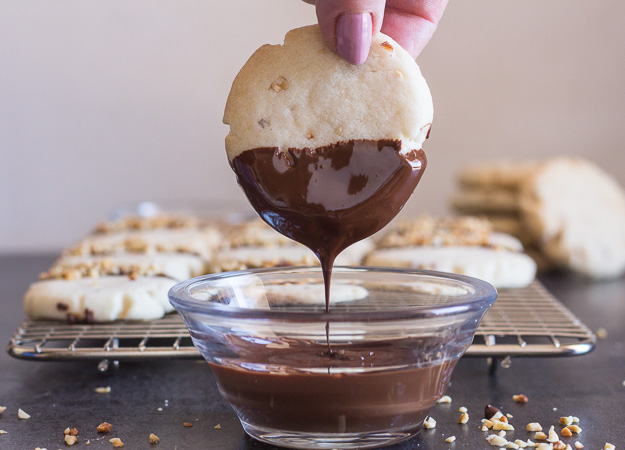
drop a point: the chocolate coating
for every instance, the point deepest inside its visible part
(330, 197)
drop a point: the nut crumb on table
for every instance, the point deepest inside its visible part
(21, 414)
(117, 442)
(154, 438)
(104, 427)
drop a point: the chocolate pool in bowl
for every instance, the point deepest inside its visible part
(396, 336)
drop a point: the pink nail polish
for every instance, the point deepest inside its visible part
(353, 36)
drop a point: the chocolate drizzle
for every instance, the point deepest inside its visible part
(328, 198)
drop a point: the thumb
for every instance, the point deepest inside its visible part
(347, 26)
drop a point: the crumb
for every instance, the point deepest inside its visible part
(608, 446)
(88, 442)
(70, 440)
(464, 418)
(104, 427)
(3, 432)
(450, 439)
(103, 390)
(21, 414)
(187, 424)
(4, 408)
(444, 399)
(463, 409)
(117, 442)
(579, 445)
(217, 427)
(553, 436)
(154, 438)
(602, 333)
(520, 398)
(159, 409)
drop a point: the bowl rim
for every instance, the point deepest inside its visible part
(484, 296)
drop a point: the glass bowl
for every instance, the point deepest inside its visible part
(363, 375)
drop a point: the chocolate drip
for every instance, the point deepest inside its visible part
(330, 197)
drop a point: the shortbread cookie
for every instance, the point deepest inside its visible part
(302, 95)
(249, 257)
(496, 174)
(464, 245)
(179, 266)
(578, 212)
(158, 221)
(255, 233)
(102, 299)
(486, 201)
(200, 242)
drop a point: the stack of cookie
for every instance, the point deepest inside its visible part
(463, 245)
(569, 213)
(123, 270)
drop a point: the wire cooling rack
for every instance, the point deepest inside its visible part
(522, 322)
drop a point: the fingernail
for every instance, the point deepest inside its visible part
(353, 37)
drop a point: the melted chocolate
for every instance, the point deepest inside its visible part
(377, 392)
(330, 197)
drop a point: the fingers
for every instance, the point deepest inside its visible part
(347, 26)
(412, 22)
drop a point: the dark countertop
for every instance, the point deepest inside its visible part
(60, 395)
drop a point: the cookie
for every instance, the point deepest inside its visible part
(577, 212)
(200, 242)
(178, 266)
(102, 299)
(158, 221)
(254, 257)
(302, 95)
(496, 174)
(464, 245)
(480, 200)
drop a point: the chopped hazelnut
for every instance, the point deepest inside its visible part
(566, 420)
(104, 427)
(602, 333)
(502, 426)
(21, 414)
(154, 438)
(534, 426)
(429, 423)
(2, 409)
(187, 424)
(463, 409)
(520, 398)
(3, 432)
(579, 445)
(559, 445)
(566, 432)
(484, 428)
(488, 423)
(540, 435)
(444, 399)
(281, 84)
(608, 446)
(117, 442)
(497, 440)
(70, 440)
(553, 436)
(464, 418)
(103, 390)
(575, 429)
(217, 427)
(450, 439)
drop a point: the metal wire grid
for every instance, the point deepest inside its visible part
(523, 322)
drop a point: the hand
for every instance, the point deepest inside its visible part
(348, 25)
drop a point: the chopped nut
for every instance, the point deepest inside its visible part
(520, 398)
(534, 426)
(2, 409)
(574, 429)
(608, 446)
(444, 399)
(3, 432)
(117, 442)
(553, 436)
(463, 409)
(530, 443)
(559, 445)
(502, 433)
(487, 423)
(520, 443)
(21, 414)
(73, 432)
(509, 416)
(575, 419)
(187, 424)
(544, 446)
(217, 427)
(464, 418)
(579, 445)
(154, 438)
(281, 84)
(512, 445)
(540, 435)
(103, 390)
(602, 333)
(450, 439)
(66, 432)
(493, 439)
(429, 423)
(104, 427)
(566, 420)
(70, 440)
(484, 428)
(566, 432)
(502, 426)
